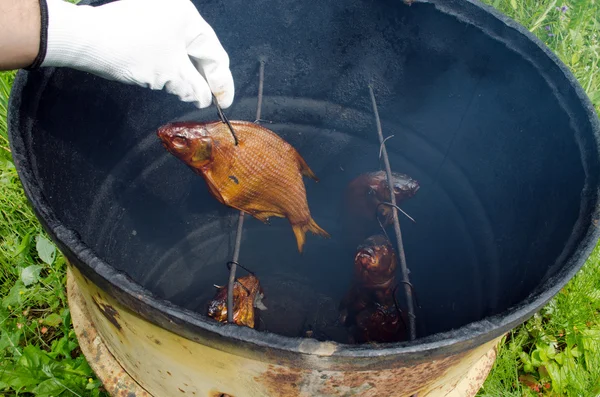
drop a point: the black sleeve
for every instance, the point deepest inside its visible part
(43, 37)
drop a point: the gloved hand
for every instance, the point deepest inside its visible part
(152, 43)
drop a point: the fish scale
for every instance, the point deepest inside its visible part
(262, 175)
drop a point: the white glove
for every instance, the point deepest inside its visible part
(151, 43)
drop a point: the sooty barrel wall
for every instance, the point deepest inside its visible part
(501, 138)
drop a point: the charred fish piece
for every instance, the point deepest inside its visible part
(247, 296)
(369, 308)
(261, 175)
(381, 324)
(366, 192)
(374, 277)
(363, 211)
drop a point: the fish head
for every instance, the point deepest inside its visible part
(404, 186)
(189, 142)
(217, 308)
(375, 261)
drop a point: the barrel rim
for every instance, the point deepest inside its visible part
(233, 338)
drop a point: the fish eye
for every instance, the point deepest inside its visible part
(179, 142)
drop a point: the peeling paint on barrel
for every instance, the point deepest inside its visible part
(109, 312)
(393, 382)
(166, 364)
(400, 382)
(114, 378)
(281, 381)
(218, 394)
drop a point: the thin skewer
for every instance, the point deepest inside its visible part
(261, 80)
(398, 208)
(224, 119)
(240, 226)
(408, 291)
(236, 256)
(381, 146)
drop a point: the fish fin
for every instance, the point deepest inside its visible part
(316, 229)
(258, 303)
(305, 169)
(300, 232)
(264, 216)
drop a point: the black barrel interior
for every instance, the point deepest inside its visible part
(481, 117)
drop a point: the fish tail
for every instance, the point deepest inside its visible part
(316, 229)
(300, 232)
(301, 229)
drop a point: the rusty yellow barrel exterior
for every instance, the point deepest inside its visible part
(134, 357)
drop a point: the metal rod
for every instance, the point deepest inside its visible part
(388, 170)
(240, 226)
(224, 119)
(236, 256)
(261, 81)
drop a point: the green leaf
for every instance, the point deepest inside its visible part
(555, 375)
(575, 351)
(560, 358)
(53, 320)
(10, 340)
(45, 249)
(66, 316)
(94, 384)
(543, 371)
(48, 388)
(576, 37)
(535, 358)
(15, 295)
(513, 4)
(571, 339)
(18, 377)
(31, 274)
(24, 244)
(594, 294)
(596, 390)
(32, 358)
(543, 357)
(550, 351)
(61, 347)
(527, 366)
(524, 357)
(591, 340)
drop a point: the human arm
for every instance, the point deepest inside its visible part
(159, 44)
(19, 33)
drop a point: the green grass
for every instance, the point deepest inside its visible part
(39, 353)
(556, 353)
